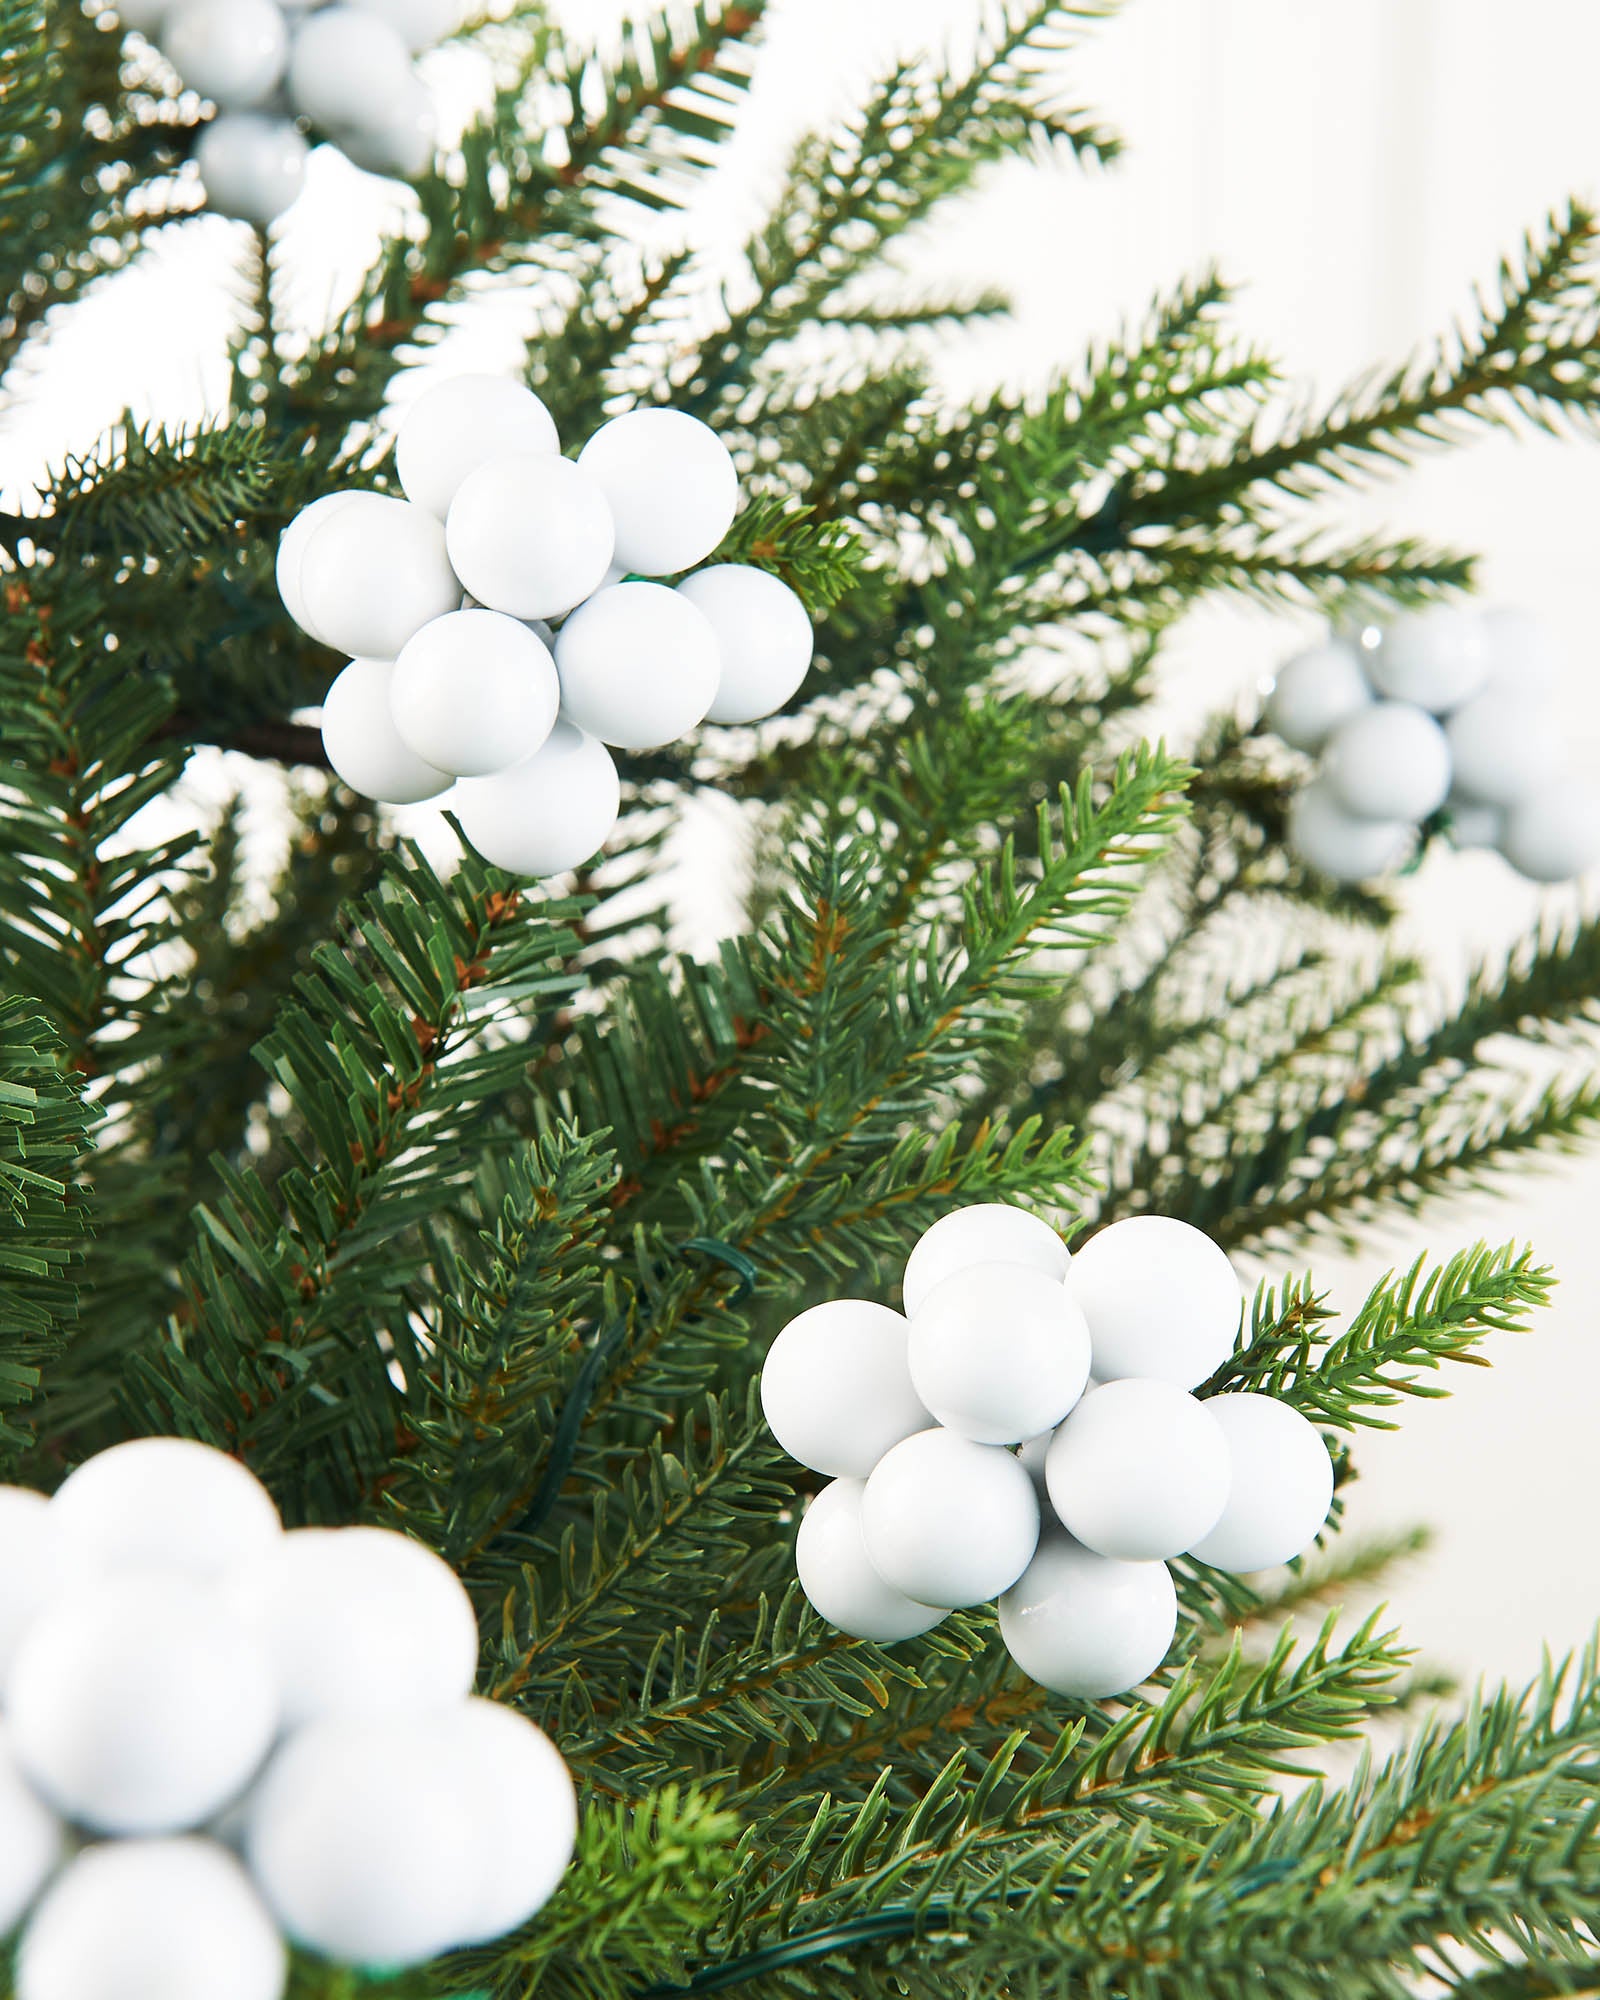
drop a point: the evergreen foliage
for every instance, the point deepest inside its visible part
(460, 1205)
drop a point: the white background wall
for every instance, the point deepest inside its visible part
(1355, 165)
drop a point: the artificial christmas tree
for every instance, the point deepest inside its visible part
(464, 1208)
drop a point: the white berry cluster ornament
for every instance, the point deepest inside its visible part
(505, 624)
(1444, 712)
(1027, 1431)
(216, 1736)
(274, 67)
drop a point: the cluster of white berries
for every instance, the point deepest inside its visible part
(272, 66)
(1445, 710)
(1026, 1431)
(480, 688)
(214, 1734)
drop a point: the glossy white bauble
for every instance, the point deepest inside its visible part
(474, 693)
(638, 666)
(550, 814)
(420, 24)
(1087, 1626)
(161, 1503)
(27, 1569)
(670, 484)
(523, 1807)
(985, 1232)
(1503, 747)
(1390, 762)
(1436, 659)
(460, 424)
(1316, 691)
(292, 546)
(359, 1621)
(1472, 825)
(253, 166)
(1139, 1471)
(1555, 836)
(530, 534)
(1527, 660)
(139, 1704)
(1280, 1489)
(363, 745)
(764, 638)
(839, 1580)
(346, 67)
(1338, 843)
(836, 1389)
(232, 51)
(999, 1352)
(33, 1840)
(374, 572)
(136, 1918)
(398, 138)
(1161, 1300)
(947, 1521)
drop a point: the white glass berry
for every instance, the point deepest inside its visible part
(372, 574)
(232, 51)
(547, 815)
(358, 1621)
(362, 1839)
(399, 137)
(28, 1568)
(1526, 660)
(1436, 659)
(474, 693)
(292, 546)
(1139, 1471)
(671, 486)
(1472, 825)
(524, 1812)
(346, 67)
(420, 24)
(1390, 762)
(764, 638)
(530, 534)
(178, 1918)
(253, 165)
(460, 424)
(839, 1580)
(947, 1521)
(1340, 844)
(1031, 1456)
(363, 745)
(836, 1389)
(1161, 1300)
(984, 1232)
(163, 1503)
(1315, 692)
(638, 666)
(139, 1704)
(1503, 747)
(1087, 1626)
(1555, 835)
(1281, 1484)
(33, 1841)
(999, 1352)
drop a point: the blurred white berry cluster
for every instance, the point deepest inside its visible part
(215, 1735)
(1447, 712)
(1027, 1431)
(273, 67)
(481, 688)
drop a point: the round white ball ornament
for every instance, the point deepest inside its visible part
(1315, 692)
(474, 693)
(530, 534)
(363, 745)
(638, 666)
(1139, 1471)
(292, 546)
(1161, 1300)
(420, 24)
(1472, 825)
(1503, 747)
(839, 1580)
(253, 166)
(27, 1569)
(1390, 762)
(139, 1704)
(523, 1805)
(1554, 836)
(552, 813)
(232, 51)
(949, 1522)
(346, 67)
(1087, 1626)
(1281, 1484)
(359, 1621)
(984, 1232)
(836, 1388)
(398, 137)
(1436, 659)
(1340, 844)
(1031, 1456)
(458, 425)
(372, 574)
(671, 486)
(33, 1841)
(999, 1352)
(161, 1503)
(764, 638)
(178, 1918)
